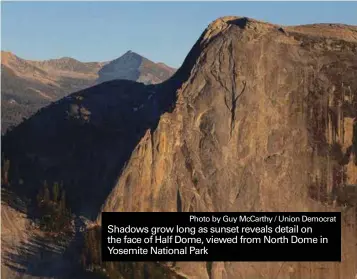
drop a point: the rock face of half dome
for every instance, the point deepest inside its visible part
(266, 121)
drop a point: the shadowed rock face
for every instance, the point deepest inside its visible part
(259, 117)
(83, 140)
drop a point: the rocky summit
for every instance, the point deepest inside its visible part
(133, 66)
(259, 117)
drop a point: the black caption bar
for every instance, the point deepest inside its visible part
(184, 236)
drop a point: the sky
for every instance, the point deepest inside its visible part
(160, 31)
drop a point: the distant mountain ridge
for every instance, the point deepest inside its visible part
(29, 85)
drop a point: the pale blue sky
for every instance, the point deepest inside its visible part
(160, 31)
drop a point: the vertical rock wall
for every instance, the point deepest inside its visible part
(265, 122)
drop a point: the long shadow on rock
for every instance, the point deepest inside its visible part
(38, 256)
(9, 198)
(47, 256)
(84, 141)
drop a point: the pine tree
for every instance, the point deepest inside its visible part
(55, 192)
(54, 214)
(39, 197)
(6, 169)
(62, 202)
(46, 193)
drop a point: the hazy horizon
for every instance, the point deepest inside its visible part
(160, 31)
